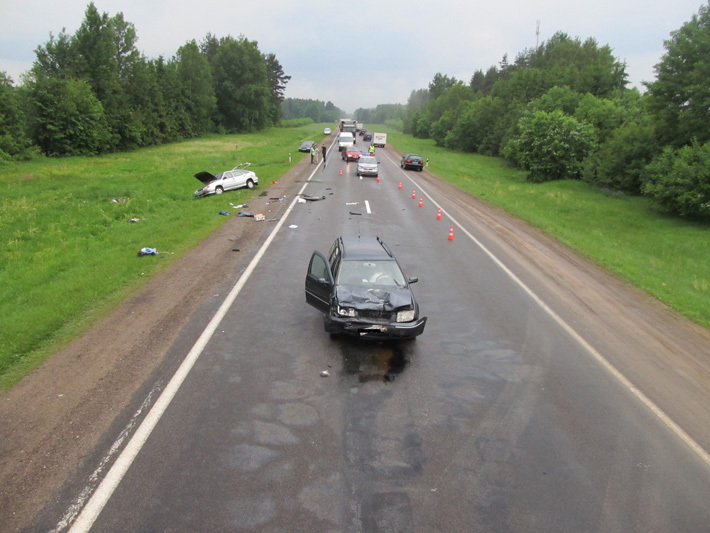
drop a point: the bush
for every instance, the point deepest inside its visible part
(295, 122)
(679, 180)
(551, 146)
(619, 162)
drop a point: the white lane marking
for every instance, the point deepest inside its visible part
(103, 493)
(367, 206)
(645, 400)
(78, 503)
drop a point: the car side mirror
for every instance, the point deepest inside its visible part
(413, 279)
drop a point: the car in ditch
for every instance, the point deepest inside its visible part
(237, 178)
(361, 291)
(306, 146)
(414, 161)
(351, 154)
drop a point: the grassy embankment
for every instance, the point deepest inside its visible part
(665, 256)
(69, 253)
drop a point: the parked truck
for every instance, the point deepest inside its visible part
(379, 140)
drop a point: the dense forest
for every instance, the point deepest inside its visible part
(93, 92)
(562, 111)
(315, 110)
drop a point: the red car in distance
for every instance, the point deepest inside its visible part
(351, 154)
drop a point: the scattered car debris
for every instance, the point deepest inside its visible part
(118, 201)
(238, 206)
(355, 213)
(301, 200)
(324, 374)
(293, 226)
(151, 251)
(245, 214)
(259, 217)
(352, 203)
(224, 213)
(135, 220)
(312, 198)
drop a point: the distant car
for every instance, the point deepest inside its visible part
(351, 154)
(327, 131)
(362, 291)
(306, 146)
(367, 137)
(367, 165)
(236, 178)
(414, 161)
(362, 132)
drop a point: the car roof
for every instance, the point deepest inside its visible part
(358, 248)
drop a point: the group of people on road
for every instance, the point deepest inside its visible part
(314, 153)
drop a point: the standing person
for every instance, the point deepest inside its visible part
(313, 153)
(372, 149)
(324, 150)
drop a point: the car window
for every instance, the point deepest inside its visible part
(334, 257)
(385, 273)
(318, 267)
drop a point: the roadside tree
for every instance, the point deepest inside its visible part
(551, 146)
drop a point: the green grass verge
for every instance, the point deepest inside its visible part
(665, 256)
(69, 253)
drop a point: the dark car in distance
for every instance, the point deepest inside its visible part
(367, 137)
(306, 146)
(361, 291)
(414, 161)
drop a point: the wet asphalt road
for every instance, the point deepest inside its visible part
(495, 419)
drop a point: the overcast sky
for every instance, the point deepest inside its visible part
(366, 52)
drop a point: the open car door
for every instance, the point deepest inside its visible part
(319, 283)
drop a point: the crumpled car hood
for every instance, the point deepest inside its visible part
(205, 177)
(373, 298)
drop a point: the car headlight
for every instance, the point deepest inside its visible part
(405, 316)
(346, 311)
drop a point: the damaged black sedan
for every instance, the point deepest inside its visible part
(362, 291)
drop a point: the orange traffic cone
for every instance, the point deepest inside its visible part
(378, 178)
(451, 234)
(438, 214)
(400, 185)
(341, 171)
(414, 194)
(421, 201)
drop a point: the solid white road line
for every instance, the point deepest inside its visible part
(103, 493)
(645, 400)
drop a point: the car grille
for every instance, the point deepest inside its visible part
(376, 315)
